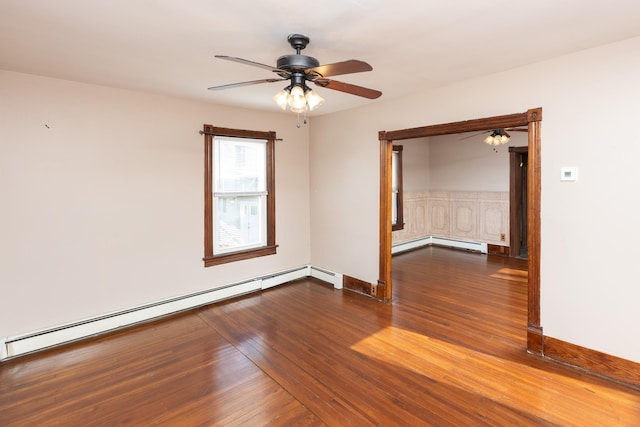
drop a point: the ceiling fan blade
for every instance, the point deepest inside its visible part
(474, 135)
(517, 129)
(253, 64)
(344, 67)
(252, 82)
(349, 88)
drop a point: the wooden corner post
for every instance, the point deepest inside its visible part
(383, 290)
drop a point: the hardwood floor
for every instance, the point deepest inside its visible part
(306, 354)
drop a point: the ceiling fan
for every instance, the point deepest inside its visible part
(498, 136)
(301, 69)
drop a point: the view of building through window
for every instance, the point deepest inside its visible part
(239, 194)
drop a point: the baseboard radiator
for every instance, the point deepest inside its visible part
(28, 343)
(439, 241)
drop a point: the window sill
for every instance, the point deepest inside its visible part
(239, 256)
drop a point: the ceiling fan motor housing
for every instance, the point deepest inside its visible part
(296, 62)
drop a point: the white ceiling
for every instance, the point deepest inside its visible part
(168, 46)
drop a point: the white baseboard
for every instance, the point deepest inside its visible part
(3, 348)
(327, 276)
(11, 347)
(461, 244)
(285, 276)
(414, 244)
(439, 241)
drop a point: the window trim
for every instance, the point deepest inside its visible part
(209, 258)
(399, 225)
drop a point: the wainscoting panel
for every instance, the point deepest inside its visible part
(464, 219)
(494, 220)
(439, 215)
(481, 216)
(415, 217)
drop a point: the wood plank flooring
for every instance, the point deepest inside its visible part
(449, 350)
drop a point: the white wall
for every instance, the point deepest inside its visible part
(415, 164)
(590, 101)
(470, 164)
(102, 199)
(461, 162)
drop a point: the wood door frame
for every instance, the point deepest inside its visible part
(532, 119)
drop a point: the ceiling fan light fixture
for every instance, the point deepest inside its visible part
(296, 99)
(281, 98)
(313, 100)
(497, 137)
(299, 99)
(299, 110)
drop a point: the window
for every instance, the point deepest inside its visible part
(397, 220)
(239, 195)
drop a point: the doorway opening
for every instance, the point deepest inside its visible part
(518, 227)
(532, 119)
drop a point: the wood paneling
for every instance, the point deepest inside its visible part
(450, 350)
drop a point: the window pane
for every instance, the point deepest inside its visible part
(394, 171)
(239, 223)
(240, 165)
(394, 208)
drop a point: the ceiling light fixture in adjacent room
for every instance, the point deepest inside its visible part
(497, 137)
